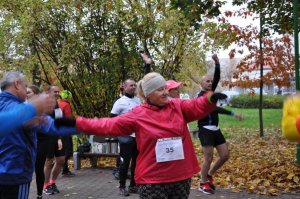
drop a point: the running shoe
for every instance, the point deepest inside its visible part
(205, 188)
(54, 188)
(123, 192)
(48, 190)
(211, 182)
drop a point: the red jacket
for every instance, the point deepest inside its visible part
(151, 123)
(65, 106)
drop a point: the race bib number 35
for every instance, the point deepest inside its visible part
(169, 149)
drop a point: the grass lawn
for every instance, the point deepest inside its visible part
(271, 119)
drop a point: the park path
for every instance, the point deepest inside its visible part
(94, 183)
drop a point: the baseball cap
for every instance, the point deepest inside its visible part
(171, 84)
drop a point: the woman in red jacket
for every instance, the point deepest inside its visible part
(166, 160)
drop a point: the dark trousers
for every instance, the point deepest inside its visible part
(14, 191)
(68, 147)
(128, 151)
(41, 154)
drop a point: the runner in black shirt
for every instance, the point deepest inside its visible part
(210, 134)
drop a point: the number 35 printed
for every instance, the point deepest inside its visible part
(169, 150)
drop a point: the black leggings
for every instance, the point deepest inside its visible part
(68, 147)
(128, 151)
(42, 148)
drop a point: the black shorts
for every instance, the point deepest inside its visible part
(53, 148)
(67, 142)
(211, 138)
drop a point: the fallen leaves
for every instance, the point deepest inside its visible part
(258, 165)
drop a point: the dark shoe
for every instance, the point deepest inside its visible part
(132, 189)
(205, 188)
(39, 197)
(68, 174)
(115, 170)
(54, 188)
(116, 173)
(123, 192)
(48, 190)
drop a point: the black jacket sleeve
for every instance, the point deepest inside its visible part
(147, 69)
(113, 115)
(216, 77)
(221, 110)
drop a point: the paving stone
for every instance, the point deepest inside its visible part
(99, 183)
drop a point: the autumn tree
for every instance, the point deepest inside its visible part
(278, 14)
(277, 52)
(89, 47)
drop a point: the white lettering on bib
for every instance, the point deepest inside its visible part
(169, 149)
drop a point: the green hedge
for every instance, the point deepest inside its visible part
(246, 101)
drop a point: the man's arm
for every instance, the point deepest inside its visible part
(217, 72)
(12, 119)
(147, 63)
(115, 111)
(221, 110)
(23, 113)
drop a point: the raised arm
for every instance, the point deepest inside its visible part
(147, 62)
(217, 73)
(121, 125)
(200, 107)
(117, 126)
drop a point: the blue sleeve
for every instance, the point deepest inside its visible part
(50, 129)
(12, 119)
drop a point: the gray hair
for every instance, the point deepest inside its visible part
(10, 77)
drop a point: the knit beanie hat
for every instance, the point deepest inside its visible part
(65, 94)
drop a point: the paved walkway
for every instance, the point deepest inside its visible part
(100, 183)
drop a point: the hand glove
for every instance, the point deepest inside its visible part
(217, 96)
(65, 121)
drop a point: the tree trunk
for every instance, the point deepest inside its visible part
(261, 129)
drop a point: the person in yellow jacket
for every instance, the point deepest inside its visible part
(291, 118)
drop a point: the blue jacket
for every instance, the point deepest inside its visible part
(18, 147)
(15, 118)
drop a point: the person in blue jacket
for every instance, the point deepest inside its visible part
(18, 147)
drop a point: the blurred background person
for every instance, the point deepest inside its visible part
(174, 88)
(65, 105)
(42, 146)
